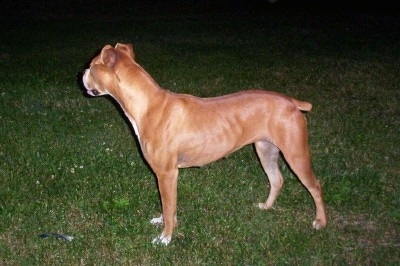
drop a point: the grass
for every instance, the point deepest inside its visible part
(70, 164)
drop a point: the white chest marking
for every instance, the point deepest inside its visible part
(134, 125)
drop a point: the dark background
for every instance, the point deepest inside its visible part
(76, 9)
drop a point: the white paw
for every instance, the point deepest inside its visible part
(157, 221)
(264, 206)
(316, 225)
(161, 239)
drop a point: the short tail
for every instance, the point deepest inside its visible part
(303, 106)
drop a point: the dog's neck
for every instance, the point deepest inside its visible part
(137, 96)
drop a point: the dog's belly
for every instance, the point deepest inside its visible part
(192, 160)
(207, 151)
(188, 160)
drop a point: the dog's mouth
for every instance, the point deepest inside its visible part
(94, 92)
(89, 90)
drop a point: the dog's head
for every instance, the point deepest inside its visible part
(100, 78)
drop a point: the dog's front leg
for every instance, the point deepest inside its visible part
(168, 186)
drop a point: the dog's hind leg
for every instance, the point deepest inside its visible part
(300, 163)
(268, 155)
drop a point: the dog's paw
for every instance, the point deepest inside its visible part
(157, 221)
(161, 240)
(318, 225)
(264, 206)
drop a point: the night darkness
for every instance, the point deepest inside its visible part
(43, 9)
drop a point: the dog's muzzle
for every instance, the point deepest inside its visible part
(90, 91)
(95, 92)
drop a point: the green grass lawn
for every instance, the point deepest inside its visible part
(70, 164)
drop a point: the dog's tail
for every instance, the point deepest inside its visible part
(303, 106)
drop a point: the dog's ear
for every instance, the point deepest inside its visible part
(126, 49)
(109, 56)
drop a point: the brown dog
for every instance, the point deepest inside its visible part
(177, 130)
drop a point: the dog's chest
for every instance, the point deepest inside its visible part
(135, 128)
(134, 125)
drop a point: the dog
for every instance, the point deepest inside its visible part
(179, 130)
